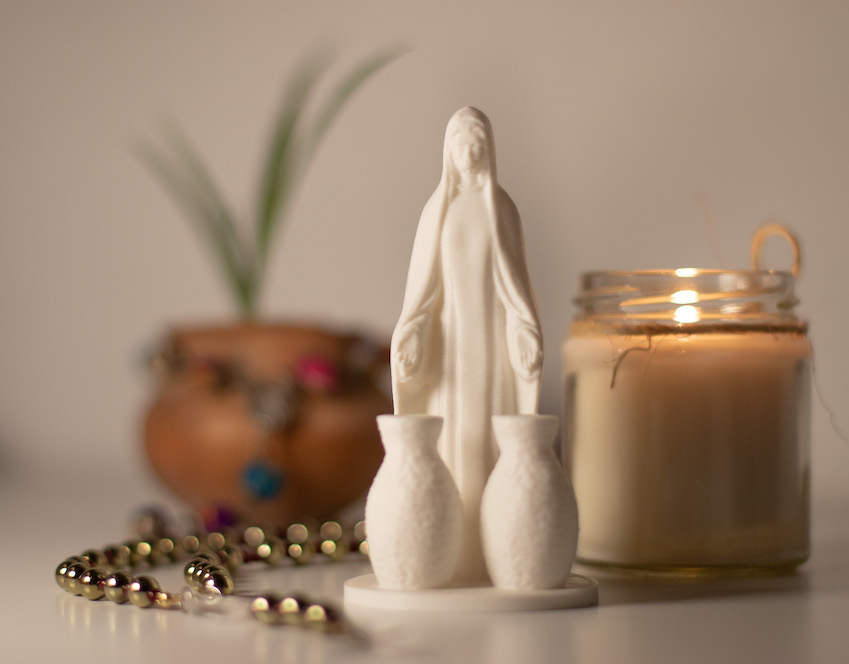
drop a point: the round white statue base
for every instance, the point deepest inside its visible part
(363, 591)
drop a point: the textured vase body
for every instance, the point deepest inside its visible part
(413, 511)
(529, 516)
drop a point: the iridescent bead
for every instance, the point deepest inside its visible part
(143, 591)
(95, 557)
(72, 577)
(116, 585)
(91, 583)
(62, 571)
(217, 578)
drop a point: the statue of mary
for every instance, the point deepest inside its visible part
(468, 343)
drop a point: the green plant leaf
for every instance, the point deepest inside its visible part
(330, 109)
(291, 153)
(190, 188)
(281, 162)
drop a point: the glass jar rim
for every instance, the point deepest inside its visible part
(688, 296)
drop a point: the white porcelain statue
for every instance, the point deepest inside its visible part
(468, 344)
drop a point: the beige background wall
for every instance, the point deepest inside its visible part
(630, 135)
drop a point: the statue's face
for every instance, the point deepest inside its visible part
(468, 150)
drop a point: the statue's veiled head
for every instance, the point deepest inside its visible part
(469, 150)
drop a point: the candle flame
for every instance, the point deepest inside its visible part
(687, 314)
(684, 297)
(686, 272)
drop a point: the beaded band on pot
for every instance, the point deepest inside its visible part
(272, 404)
(213, 560)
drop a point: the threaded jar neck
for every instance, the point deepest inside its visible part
(690, 299)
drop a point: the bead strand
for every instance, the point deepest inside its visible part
(213, 560)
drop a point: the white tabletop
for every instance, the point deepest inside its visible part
(799, 618)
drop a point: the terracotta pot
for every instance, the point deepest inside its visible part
(201, 433)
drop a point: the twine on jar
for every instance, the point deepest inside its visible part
(767, 231)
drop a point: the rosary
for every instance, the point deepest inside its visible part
(212, 561)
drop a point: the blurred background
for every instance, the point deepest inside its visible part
(630, 135)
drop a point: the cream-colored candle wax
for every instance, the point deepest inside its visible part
(688, 441)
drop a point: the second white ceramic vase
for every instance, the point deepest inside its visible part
(529, 515)
(413, 510)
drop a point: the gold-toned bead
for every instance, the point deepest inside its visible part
(191, 544)
(91, 583)
(196, 582)
(323, 619)
(189, 569)
(217, 579)
(300, 553)
(94, 557)
(150, 551)
(164, 600)
(253, 536)
(336, 549)
(360, 531)
(272, 551)
(231, 557)
(168, 549)
(116, 585)
(117, 555)
(330, 530)
(72, 577)
(265, 608)
(149, 523)
(216, 540)
(210, 556)
(134, 558)
(142, 591)
(62, 571)
(291, 609)
(297, 533)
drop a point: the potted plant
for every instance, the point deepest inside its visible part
(253, 419)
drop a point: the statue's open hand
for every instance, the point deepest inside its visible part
(529, 354)
(407, 353)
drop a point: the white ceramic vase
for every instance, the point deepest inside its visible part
(529, 516)
(413, 511)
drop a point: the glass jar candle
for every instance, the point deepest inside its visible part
(686, 422)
